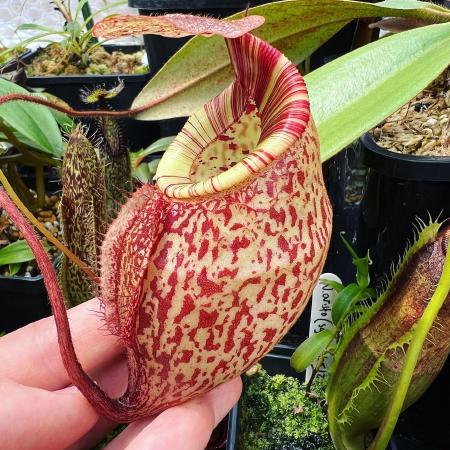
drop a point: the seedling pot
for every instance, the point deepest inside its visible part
(68, 87)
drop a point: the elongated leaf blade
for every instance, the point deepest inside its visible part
(35, 122)
(334, 284)
(16, 253)
(14, 268)
(35, 27)
(353, 93)
(158, 146)
(344, 302)
(80, 5)
(201, 69)
(308, 351)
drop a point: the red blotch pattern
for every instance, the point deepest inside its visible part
(204, 288)
(211, 314)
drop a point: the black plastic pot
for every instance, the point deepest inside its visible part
(344, 177)
(399, 189)
(23, 300)
(68, 87)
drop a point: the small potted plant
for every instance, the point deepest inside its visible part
(77, 62)
(368, 344)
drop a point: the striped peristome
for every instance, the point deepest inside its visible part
(277, 93)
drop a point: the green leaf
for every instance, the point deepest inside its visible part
(142, 173)
(362, 270)
(334, 284)
(355, 92)
(80, 5)
(350, 295)
(308, 351)
(348, 246)
(35, 26)
(14, 268)
(74, 29)
(361, 264)
(16, 253)
(201, 69)
(158, 146)
(35, 122)
(66, 123)
(39, 38)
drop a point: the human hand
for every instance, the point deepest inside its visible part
(40, 409)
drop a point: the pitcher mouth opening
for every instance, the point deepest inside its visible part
(201, 162)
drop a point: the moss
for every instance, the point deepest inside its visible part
(56, 59)
(276, 413)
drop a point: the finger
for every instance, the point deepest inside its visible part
(42, 419)
(114, 381)
(187, 426)
(55, 419)
(93, 436)
(30, 355)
